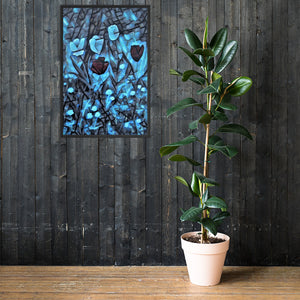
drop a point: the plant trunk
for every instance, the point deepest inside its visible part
(204, 236)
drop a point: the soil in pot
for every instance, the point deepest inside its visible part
(197, 239)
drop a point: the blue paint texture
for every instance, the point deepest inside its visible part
(105, 71)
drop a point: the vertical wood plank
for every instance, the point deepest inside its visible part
(293, 132)
(169, 133)
(248, 33)
(42, 52)
(1, 130)
(59, 220)
(26, 135)
(89, 156)
(82, 195)
(138, 189)
(279, 218)
(231, 174)
(10, 134)
(107, 193)
(18, 213)
(184, 117)
(153, 143)
(122, 194)
(263, 175)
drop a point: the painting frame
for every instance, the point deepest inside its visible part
(147, 64)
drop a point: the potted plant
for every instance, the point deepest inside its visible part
(205, 251)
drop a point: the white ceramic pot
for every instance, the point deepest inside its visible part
(205, 261)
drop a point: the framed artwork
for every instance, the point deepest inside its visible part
(105, 54)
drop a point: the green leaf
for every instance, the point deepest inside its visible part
(175, 72)
(205, 119)
(210, 64)
(178, 157)
(218, 115)
(198, 80)
(187, 74)
(217, 144)
(192, 56)
(218, 41)
(194, 125)
(215, 76)
(235, 128)
(205, 34)
(182, 180)
(187, 102)
(215, 202)
(192, 39)
(226, 56)
(205, 196)
(210, 225)
(218, 218)
(226, 103)
(240, 87)
(212, 88)
(203, 179)
(192, 214)
(172, 147)
(204, 52)
(165, 150)
(232, 151)
(195, 184)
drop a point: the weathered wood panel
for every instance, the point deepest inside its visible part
(89, 201)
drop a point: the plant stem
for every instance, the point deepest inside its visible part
(205, 169)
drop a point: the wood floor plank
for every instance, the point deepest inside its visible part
(50, 282)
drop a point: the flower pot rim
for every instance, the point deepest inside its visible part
(198, 248)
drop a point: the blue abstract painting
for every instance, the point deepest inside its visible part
(105, 71)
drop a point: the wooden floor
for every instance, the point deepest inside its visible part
(23, 282)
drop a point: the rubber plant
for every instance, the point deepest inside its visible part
(215, 102)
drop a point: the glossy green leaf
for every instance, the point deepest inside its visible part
(210, 225)
(205, 196)
(182, 180)
(235, 128)
(172, 147)
(192, 39)
(218, 41)
(203, 179)
(187, 74)
(218, 218)
(193, 214)
(204, 52)
(215, 76)
(240, 87)
(217, 115)
(175, 72)
(198, 80)
(195, 184)
(178, 157)
(187, 102)
(232, 151)
(226, 103)
(192, 56)
(215, 202)
(226, 56)
(194, 125)
(205, 34)
(210, 64)
(205, 119)
(212, 88)
(217, 144)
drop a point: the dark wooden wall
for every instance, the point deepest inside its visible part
(112, 200)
